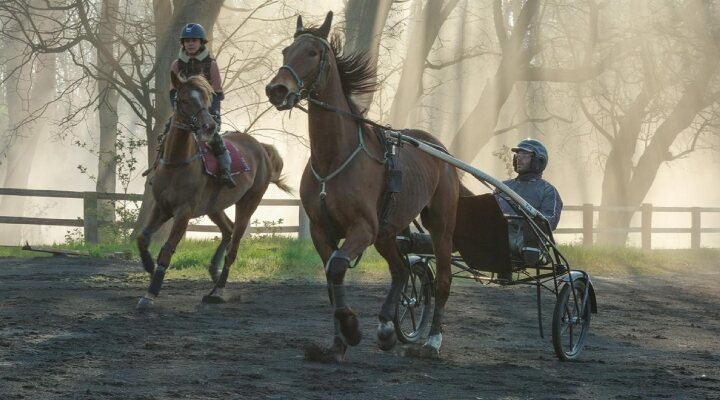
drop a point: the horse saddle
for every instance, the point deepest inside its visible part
(238, 163)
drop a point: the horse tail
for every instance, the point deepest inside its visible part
(276, 166)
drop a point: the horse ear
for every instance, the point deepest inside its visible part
(299, 24)
(324, 30)
(175, 79)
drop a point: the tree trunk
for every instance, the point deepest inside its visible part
(107, 110)
(422, 37)
(364, 23)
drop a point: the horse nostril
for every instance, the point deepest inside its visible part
(276, 92)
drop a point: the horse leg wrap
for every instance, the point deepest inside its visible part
(157, 280)
(338, 294)
(335, 269)
(336, 266)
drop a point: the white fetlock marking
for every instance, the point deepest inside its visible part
(150, 296)
(384, 327)
(434, 341)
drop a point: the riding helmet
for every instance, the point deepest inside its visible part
(193, 31)
(540, 154)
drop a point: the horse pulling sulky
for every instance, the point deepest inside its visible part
(364, 185)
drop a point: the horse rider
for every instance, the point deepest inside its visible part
(529, 161)
(195, 59)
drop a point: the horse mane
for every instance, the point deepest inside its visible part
(358, 74)
(199, 82)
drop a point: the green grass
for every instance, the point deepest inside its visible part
(281, 258)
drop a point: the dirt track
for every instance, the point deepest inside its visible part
(69, 329)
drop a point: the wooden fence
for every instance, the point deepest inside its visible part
(90, 223)
(588, 231)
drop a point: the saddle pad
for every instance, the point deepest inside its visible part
(237, 166)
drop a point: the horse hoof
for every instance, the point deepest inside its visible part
(145, 303)
(213, 299)
(349, 326)
(386, 335)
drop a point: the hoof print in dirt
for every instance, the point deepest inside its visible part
(213, 300)
(321, 354)
(422, 352)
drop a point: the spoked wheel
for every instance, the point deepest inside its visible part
(412, 313)
(571, 321)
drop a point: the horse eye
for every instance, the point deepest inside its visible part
(312, 53)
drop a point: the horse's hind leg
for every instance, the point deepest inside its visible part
(399, 273)
(163, 261)
(244, 209)
(441, 226)
(156, 220)
(226, 226)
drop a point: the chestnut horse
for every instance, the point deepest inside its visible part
(184, 191)
(344, 182)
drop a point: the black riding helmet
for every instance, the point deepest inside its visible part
(540, 154)
(193, 31)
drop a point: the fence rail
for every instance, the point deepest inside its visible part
(588, 231)
(90, 223)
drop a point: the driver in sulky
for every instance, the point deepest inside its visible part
(529, 161)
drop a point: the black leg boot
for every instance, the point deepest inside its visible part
(223, 157)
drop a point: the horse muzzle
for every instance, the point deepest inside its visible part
(281, 97)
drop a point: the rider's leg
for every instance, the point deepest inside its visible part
(223, 156)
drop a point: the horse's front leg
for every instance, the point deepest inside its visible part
(387, 248)
(163, 261)
(157, 218)
(347, 325)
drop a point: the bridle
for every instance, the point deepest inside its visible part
(192, 127)
(302, 91)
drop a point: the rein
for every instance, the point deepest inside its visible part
(192, 128)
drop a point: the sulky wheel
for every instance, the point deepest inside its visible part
(571, 321)
(412, 313)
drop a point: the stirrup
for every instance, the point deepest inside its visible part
(227, 178)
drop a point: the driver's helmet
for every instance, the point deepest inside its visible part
(540, 154)
(193, 31)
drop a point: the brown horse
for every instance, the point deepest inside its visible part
(183, 190)
(344, 182)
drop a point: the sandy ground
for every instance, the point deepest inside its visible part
(69, 329)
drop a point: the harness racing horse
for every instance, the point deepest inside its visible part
(343, 186)
(183, 190)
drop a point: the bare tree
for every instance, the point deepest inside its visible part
(665, 91)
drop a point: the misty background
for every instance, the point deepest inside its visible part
(624, 93)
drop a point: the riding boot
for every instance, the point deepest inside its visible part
(224, 160)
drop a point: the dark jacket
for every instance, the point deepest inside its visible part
(538, 192)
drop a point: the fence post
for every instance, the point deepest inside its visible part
(90, 207)
(587, 210)
(646, 226)
(303, 223)
(695, 228)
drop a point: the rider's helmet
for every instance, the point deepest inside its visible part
(193, 31)
(540, 154)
